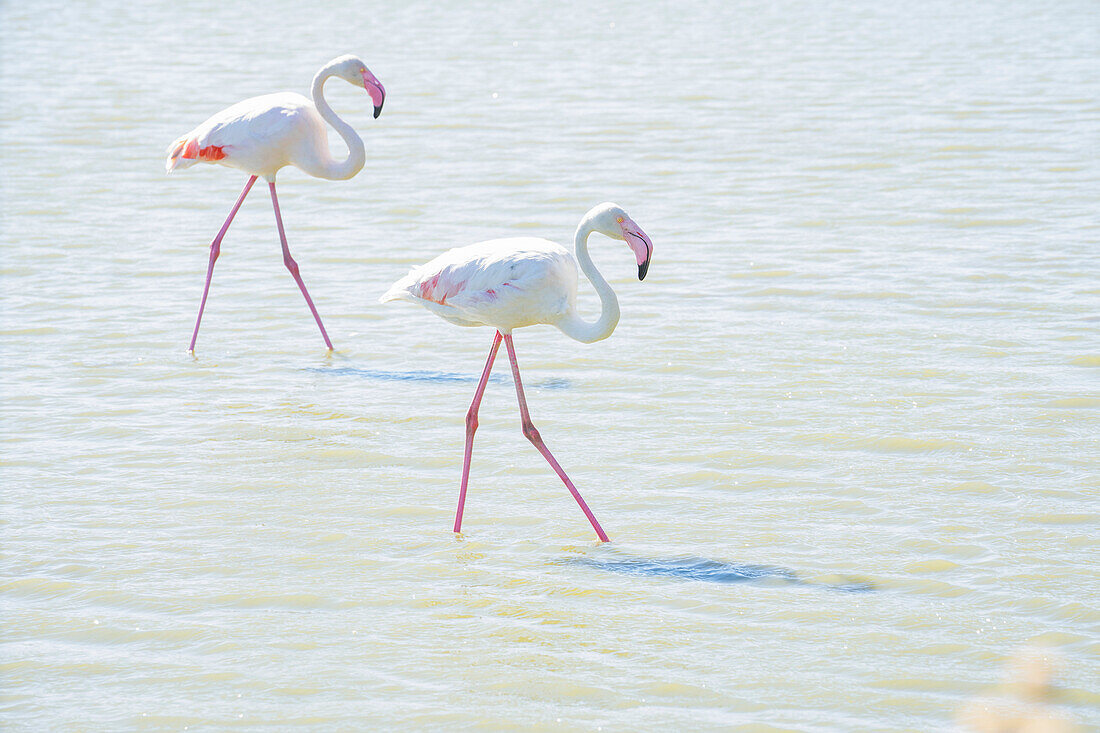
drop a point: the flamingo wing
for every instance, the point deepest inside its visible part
(505, 283)
(252, 128)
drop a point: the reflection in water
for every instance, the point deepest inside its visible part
(713, 571)
(428, 375)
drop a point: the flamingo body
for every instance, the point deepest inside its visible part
(502, 283)
(259, 136)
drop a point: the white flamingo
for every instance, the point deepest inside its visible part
(264, 134)
(510, 283)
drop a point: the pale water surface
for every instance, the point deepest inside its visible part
(844, 437)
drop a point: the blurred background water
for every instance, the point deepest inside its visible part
(844, 438)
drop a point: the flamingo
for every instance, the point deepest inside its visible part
(262, 135)
(510, 283)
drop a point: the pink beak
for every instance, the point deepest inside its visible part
(637, 240)
(376, 91)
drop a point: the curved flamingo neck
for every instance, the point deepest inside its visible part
(572, 324)
(333, 169)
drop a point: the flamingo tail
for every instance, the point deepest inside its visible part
(183, 153)
(403, 289)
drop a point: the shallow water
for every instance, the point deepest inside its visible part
(865, 358)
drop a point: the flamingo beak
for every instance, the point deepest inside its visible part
(376, 91)
(637, 240)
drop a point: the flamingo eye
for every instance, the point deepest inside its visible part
(620, 220)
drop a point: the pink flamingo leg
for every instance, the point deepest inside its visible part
(471, 428)
(215, 250)
(293, 266)
(533, 435)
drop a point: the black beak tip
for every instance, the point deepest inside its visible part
(643, 269)
(378, 110)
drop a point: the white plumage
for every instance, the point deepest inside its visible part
(259, 135)
(503, 283)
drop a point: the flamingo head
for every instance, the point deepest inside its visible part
(352, 70)
(610, 219)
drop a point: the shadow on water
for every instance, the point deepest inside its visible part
(426, 375)
(714, 571)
